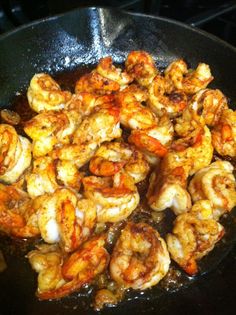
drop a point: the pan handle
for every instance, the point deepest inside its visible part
(209, 15)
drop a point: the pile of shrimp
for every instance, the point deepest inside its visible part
(74, 177)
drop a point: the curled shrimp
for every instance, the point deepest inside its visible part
(116, 197)
(59, 276)
(216, 183)
(106, 69)
(50, 129)
(18, 215)
(45, 94)
(224, 134)
(188, 81)
(193, 152)
(47, 175)
(154, 141)
(85, 102)
(15, 154)
(209, 104)
(168, 190)
(194, 235)
(133, 114)
(162, 102)
(95, 83)
(102, 125)
(65, 218)
(140, 258)
(141, 66)
(139, 92)
(111, 157)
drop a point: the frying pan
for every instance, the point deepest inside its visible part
(79, 38)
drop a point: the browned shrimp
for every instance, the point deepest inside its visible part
(18, 216)
(15, 154)
(194, 235)
(45, 94)
(189, 81)
(59, 276)
(224, 134)
(106, 69)
(141, 66)
(162, 102)
(95, 83)
(140, 258)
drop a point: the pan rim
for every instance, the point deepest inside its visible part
(142, 15)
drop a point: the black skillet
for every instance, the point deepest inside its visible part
(80, 38)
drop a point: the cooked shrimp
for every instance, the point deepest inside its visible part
(188, 81)
(102, 125)
(47, 261)
(17, 213)
(217, 184)
(162, 102)
(210, 104)
(95, 83)
(45, 94)
(111, 157)
(106, 69)
(133, 114)
(140, 258)
(141, 66)
(48, 175)
(194, 235)
(59, 276)
(64, 218)
(224, 134)
(15, 154)
(154, 140)
(168, 190)
(192, 152)
(116, 197)
(85, 102)
(50, 129)
(139, 92)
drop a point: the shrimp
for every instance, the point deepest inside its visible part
(85, 102)
(133, 114)
(111, 157)
(139, 92)
(154, 141)
(95, 83)
(102, 125)
(15, 154)
(188, 81)
(65, 218)
(18, 216)
(60, 276)
(162, 102)
(45, 94)
(193, 152)
(168, 190)
(141, 66)
(106, 69)
(48, 175)
(116, 197)
(140, 258)
(50, 129)
(194, 235)
(224, 134)
(217, 184)
(210, 104)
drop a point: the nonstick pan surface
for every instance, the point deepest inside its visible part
(79, 38)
